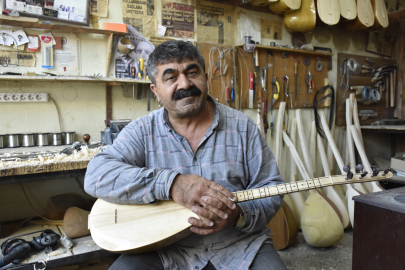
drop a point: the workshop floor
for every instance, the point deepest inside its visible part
(301, 256)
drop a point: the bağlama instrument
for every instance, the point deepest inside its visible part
(146, 227)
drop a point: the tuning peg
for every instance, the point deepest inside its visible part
(346, 168)
(363, 174)
(386, 171)
(375, 171)
(359, 167)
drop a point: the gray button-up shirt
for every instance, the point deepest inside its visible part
(148, 154)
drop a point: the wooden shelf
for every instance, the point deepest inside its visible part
(292, 50)
(386, 127)
(70, 79)
(59, 27)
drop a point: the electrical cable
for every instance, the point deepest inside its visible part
(34, 208)
(54, 103)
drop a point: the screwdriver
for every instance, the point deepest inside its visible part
(141, 65)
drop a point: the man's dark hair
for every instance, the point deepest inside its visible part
(172, 51)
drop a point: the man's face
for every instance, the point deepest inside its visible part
(182, 88)
(143, 50)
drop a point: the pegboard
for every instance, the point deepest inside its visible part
(284, 61)
(358, 79)
(217, 82)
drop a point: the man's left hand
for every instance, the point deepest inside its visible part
(199, 226)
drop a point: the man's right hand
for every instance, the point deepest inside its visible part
(195, 192)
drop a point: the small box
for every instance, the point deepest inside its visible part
(119, 27)
(398, 162)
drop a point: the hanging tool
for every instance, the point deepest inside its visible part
(307, 62)
(228, 96)
(273, 100)
(285, 86)
(310, 82)
(133, 72)
(141, 66)
(270, 54)
(251, 91)
(256, 58)
(216, 68)
(295, 80)
(233, 91)
(264, 109)
(319, 65)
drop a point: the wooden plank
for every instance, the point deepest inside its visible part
(53, 27)
(15, 179)
(108, 102)
(361, 79)
(387, 127)
(108, 53)
(44, 168)
(320, 53)
(71, 79)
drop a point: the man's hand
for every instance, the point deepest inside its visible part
(209, 200)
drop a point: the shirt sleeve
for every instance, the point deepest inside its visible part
(119, 175)
(263, 172)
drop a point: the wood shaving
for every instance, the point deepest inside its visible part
(84, 154)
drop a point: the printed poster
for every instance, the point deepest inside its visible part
(178, 20)
(67, 60)
(216, 23)
(11, 57)
(141, 15)
(99, 8)
(271, 29)
(127, 65)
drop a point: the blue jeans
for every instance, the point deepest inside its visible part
(267, 258)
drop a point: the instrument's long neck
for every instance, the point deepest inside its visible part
(276, 190)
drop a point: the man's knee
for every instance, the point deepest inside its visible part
(147, 261)
(268, 258)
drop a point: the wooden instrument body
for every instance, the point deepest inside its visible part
(162, 224)
(320, 224)
(328, 12)
(302, 20)
(380, 15)
(283, 227)
(348, 9)
(365, 17)
(285, 6)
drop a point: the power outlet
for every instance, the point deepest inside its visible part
(23, 97)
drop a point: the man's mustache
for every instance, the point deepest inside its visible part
(182, 93)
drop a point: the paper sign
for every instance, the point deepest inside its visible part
(34, 9)
(14, 5)
(5, 39)
(63, 15)
(161, 30)
(20, 37)
(76, 17)
(33, 45)
(48, 35)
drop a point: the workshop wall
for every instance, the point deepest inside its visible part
(82, 106)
